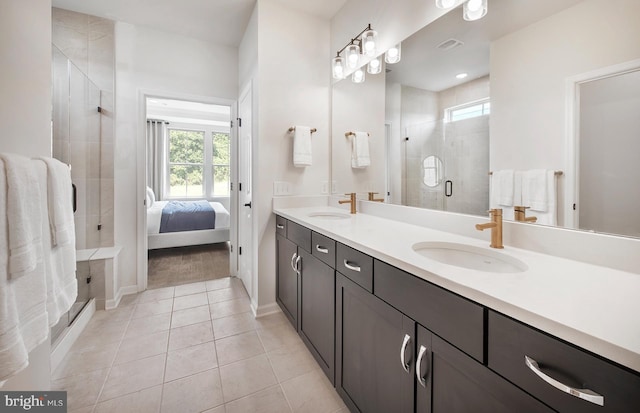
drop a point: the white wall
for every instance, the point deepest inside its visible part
(528, 73)
(293, 89)
(25, 117)
(166, 64)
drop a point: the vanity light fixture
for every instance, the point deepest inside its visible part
(358, 76)
(474, 9)
(369, 42)
(445, 4)
(394, 54)
(375, 66)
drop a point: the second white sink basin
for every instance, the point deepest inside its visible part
(329, 215)
(469, 256)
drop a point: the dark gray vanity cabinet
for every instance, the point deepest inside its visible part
(287, 278)
(372, 338)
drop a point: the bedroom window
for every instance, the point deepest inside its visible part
(221, 171)
(186, 163)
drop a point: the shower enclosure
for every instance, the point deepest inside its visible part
(447, 165)
(76, 141)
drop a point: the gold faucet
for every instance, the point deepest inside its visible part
(496, 228)
(352, 200)
(371, 198)
(520, 213)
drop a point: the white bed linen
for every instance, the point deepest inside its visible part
(154, 215)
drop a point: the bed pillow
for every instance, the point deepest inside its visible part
(151, 197)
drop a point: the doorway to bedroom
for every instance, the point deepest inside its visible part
(188, 175)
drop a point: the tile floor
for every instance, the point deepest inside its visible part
(192, 348)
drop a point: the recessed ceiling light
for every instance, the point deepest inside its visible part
(461, 75)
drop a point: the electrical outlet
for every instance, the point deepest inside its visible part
(333, 187)
(281, 188)
(325, 187)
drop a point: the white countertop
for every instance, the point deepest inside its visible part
(596, 308)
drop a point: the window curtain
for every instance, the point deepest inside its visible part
(156, 156)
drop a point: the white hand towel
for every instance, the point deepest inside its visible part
(534, 189)
(24, 218)
(502, 187)
(302, 146)
(59, 202)
(360, 150)
(547, 214)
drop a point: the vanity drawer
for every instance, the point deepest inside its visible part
(454, 318)
(281, 226)
(324, 249)
(300, 235)
(510, 341)
(355, 265)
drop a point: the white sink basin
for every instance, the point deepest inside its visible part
(329, 215)
(469, 256)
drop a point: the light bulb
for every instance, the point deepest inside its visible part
(358, 76)
(393, 54)
(474, 9)
(353, 55)
(445, 4)
(374, 67)
(337, 64)
(369, 39)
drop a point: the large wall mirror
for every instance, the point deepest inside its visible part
(534, 85)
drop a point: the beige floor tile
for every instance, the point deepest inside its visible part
(190, 316)
(144, 401)
(230, 307)
(278, 336)
(81, 360)
(121, 313)
(134, 376)
(192, 288)
(239, 347)
(271, 320)
(309, 394)
(270, 400)
(291, 361)
(82, 390)
(88, 409)
(99, 332)
(190, 301)
(244, 377)
(190, 360)
(192, 394)
(137, 348)
(234, 324)
(225, 294)
(218, 284)
(128, 300)
(219, 409)
(150, 308)
(148, 325)
(156, 295)
(190, 335)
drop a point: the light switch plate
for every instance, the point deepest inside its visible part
(281, 188)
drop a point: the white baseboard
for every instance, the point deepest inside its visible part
(264, 310)
(71, 334)
(111, 304)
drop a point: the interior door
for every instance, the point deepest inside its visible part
(245, 216)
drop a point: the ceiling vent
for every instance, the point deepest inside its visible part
(449, 44)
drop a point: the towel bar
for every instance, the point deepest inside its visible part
(557, 173)
(347, 134)
(291, 129)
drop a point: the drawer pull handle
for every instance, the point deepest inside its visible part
(584, 394)
(322, 249)
(403, 350)
(279, 226)
(421, 377)
(351, 266)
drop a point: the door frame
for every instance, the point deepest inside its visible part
(141, 160)
(570, 217)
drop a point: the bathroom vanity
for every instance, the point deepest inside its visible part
(400, 329)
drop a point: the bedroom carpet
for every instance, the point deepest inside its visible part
(176, 266)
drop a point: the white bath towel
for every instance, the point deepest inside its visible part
(360, 150)
(302, 146)
(59, 202)
(547, 214)
(24, 218)
(23, 314)
(502, 187)
(59, 260)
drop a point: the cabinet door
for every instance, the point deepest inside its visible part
(370, 334)
(424, 369)
(317, 313)
(287, 279)
(462, 385)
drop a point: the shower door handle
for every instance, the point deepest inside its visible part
(448, 187)
(75, 197)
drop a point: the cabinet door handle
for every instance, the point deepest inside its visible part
(351, 267)
(419, 375)
(403, 349)
(297, 264)
(584, 394)
(293, 257)
(279, 226)
(322, 249)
